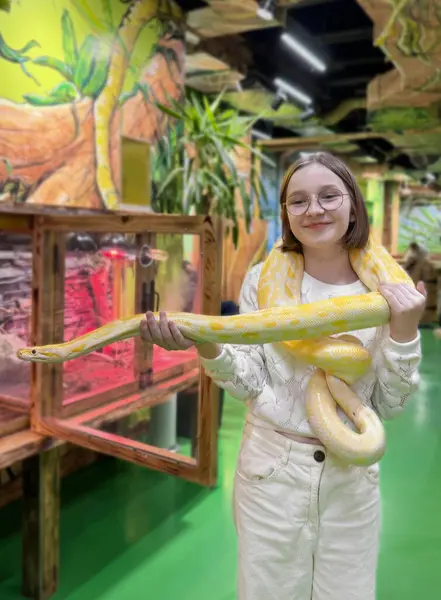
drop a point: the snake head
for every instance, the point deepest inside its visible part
(39, 354)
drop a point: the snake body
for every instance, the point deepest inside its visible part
(304, 330)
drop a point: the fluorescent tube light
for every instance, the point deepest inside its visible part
(260, 134)
(292, 91)
(265, 12)
(306, 54)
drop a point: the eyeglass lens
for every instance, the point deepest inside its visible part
(328, 200)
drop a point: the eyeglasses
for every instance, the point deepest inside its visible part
(328, 200)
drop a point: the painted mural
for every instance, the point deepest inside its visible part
(74, 78)
(270, 210)
(421, 224)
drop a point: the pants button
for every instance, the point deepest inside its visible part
(319, 456)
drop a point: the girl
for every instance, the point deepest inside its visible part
(308, 526)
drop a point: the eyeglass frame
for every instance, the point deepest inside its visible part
(309, 197)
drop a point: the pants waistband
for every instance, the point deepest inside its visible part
(280, 445)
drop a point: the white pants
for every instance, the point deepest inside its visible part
(308, 527)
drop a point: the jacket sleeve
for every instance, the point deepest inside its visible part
(397, 369)
(241, 369)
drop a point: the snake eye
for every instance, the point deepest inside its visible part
(34, 352)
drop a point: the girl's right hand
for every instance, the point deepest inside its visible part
(165, 334)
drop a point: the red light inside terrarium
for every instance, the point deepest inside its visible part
(100, 286)
(114, 253)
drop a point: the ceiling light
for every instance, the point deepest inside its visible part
(266, 11)
(260, 134)
(279, 99)
(306, 54)
(292, 91)
(306, 114)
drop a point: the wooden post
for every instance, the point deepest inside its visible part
(144, 281)
(41, 482)
(41, 473)
(209, 392)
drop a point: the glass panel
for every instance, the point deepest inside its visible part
(142, 393)
(177, 286)
(166, 421)
(15, 317)
(96, 273)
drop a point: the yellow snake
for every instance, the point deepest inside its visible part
(303, 329)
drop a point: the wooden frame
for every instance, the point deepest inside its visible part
(280, 144)
(17, 440)
(51, 424)
(79, 426)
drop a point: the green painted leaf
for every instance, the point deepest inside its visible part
(38, 100)
(29, 46)
(168, 111)
(7, 165)
(96, 19)
(70, 47)
(62, 93)
(86, 62)
(56, 64)
(138, 87)
(98, 76)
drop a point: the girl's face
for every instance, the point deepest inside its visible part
(321, 224)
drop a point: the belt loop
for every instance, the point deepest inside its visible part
(287, 450)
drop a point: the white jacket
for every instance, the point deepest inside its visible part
(273, 383)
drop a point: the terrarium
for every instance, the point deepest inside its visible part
(71, 275)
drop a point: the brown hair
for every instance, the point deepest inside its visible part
(358, 231)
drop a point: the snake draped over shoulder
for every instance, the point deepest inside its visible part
(304, 330)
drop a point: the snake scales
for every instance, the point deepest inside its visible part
(304, 330)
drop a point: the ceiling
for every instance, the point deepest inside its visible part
(383, 71)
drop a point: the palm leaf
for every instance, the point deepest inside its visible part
(209, 180)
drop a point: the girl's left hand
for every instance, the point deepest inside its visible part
(406, 309)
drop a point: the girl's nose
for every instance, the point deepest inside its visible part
(314, 207)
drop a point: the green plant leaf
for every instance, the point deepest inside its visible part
(210, 179)
(217, 101)
(69, 40)
(171, 176)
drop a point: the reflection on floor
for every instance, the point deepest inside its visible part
(129, 533)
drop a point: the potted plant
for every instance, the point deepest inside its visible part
(194, 167)
(195, 172)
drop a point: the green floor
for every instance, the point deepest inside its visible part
(130, 534)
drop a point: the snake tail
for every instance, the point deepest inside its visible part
(363, 447)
